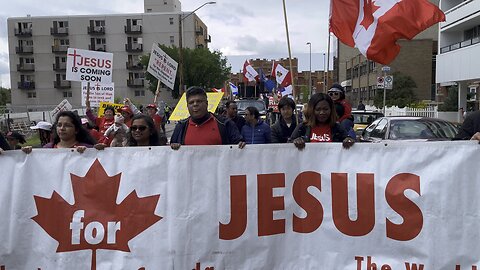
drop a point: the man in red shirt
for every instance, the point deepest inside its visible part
(202, 127)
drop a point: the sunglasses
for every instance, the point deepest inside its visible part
(141, 128)
(334, 94)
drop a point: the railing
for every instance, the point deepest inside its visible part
(98, 47)
(133, 29)
(60, 66)
(461, 44)
(431, 111)
(62, 84)
(24, 49)
(26, 85)
(139, 82)
(134, 47)
(59, 31)
(23, 32)
(134, 65)
(59, 48)
(96, 30)
(26, 67)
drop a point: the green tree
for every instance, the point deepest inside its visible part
(201, 67)
(5, 96)
(401, 95)
(451, 101)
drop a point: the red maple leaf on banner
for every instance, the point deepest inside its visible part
(368, 9)
(95, 220)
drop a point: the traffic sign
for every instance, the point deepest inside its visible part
(388, 82)
(386, 69)
(380, 82)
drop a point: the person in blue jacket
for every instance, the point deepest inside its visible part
(255, 131)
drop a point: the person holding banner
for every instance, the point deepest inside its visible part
(470, 129)
(143, 132)
(283, 128)
(320, 124)
(202, 127)
(68, 132)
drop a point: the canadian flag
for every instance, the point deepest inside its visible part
(282, 75)
(249, 72)
(221, 90)
(374, 26)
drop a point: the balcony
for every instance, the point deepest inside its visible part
(136, 83)
(199, 31)
(23, 32)
(98, 47)
(209, 39)
(59, 48)
(133, 29)
(26, 67)
(134, 47)
(131, 65)
(24, 50)
(59, 84)
(459, 14)
(459, 45)
(60, 67)
(458, 65)
(59, 32)
(26, 85)
(96, 30)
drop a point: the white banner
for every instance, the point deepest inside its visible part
(62, 106)
(162, 66)
(89, 66)
(399, 206)
(104, 92)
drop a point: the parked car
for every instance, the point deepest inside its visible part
(362, 118)
(409, 128)
(242, 104)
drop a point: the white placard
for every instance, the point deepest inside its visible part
(62, 106)
(162, 66)
(104, 92)
(89, 66)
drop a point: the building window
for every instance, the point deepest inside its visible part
(32, 94)
(62, 24)
(139, 93)
(67, 94)
(172, 39)
(28, 60)
(171, 20)
(165, 3)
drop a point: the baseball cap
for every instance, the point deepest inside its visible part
(151, 105)
(84, 121)
(42, 125)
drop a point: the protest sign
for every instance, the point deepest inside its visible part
(104, 105)
(181, 110)
(104, 92)
(62, 106)
(162, 66)
(89, 66)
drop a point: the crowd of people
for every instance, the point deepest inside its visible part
(327, 118)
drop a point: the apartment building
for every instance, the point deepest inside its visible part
(416, 59)
(38, 50)
(459, 47)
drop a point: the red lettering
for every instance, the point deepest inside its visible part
(267, 204)
(108, 64)
(410, 212)
(309, 203)
(238, 209)
(86, 61)
(365, 204)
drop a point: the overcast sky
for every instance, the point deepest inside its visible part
(249, 28)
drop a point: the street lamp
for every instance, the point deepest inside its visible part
(180, 42)
(325, 74)
(310, 78)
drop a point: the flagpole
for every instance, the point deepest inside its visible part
(289, 50)
(328, 58)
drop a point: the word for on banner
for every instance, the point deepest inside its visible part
(363, 225)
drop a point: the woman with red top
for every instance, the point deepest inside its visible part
(320, 124)
(68, 132)
(102, 122)
(152, 112)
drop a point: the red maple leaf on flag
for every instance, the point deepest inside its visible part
(95, 220)
(368, 9)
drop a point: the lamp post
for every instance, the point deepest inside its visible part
(325, 74)
(181, 18)
(310, 77)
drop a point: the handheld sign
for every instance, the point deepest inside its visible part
(181, 110)
(103, 105)
(98, 93)
(162, 66)
(89, 66)
(63, 106)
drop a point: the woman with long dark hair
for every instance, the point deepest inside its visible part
(142, 132)
(320, 124)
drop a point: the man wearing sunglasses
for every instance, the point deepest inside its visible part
(202, 127)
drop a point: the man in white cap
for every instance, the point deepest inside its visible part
(44, 132)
